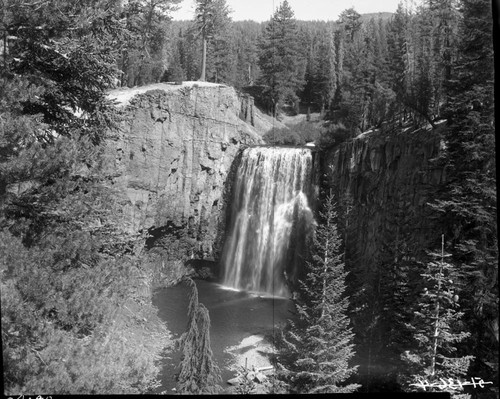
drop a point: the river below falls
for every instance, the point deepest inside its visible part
(234, 316)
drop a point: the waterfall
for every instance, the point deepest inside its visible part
(271, 218)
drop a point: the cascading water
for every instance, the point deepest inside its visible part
(271, 219)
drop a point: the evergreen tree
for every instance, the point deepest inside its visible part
(364, 98)
(419, 96)
(350, 21)
(175, 71)
(437, 328)
(143, 55)
(199, 372)
(220, 52)
(444, 18)
(245, 38)
(315, 352)
(398, 56)
(66, 268)
(212, 19)
(325, 73)
(282, 69)
(357, 83)
(380, 96)
(54, 57)
(190, 55)
(309, 92)
(468, 204)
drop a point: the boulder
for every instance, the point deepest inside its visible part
(234, 381)
(260, 378)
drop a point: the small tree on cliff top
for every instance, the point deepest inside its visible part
(199, 371)
(315, 351)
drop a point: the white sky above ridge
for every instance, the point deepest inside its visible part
(306, 10)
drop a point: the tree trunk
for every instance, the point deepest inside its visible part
(436, 323)
(204, 60)
(5, 49)
(125, 62)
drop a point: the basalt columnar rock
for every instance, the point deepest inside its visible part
(385, 182)
(172, 156)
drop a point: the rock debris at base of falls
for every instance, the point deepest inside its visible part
(251, 361)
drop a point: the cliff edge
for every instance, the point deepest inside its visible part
(171, 157)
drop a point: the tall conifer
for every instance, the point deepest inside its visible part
(315, 351)
(281, 66)
(468, 202)
(437, 328)
(212, 18)
(199, 372)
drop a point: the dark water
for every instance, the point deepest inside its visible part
(234, 316)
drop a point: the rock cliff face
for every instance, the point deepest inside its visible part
(171, 158)
(384, 182)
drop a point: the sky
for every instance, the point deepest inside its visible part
(262, 10)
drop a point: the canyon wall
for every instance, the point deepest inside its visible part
(174, 154)
(171, 158)
(385, 182)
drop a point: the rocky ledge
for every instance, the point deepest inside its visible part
(171, 158)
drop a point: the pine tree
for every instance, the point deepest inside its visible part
(245, 38)
(282, 68)
(199, 372)
(325, 73)
(65, 274)
(444, 18)
(398, 56)
(468, 202)
(220, 53)
(351, 23)
(143, 53)
(437, 328)
(53, 48)
(212, 18)
(315, 352)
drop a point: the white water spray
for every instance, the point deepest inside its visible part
(271, 219)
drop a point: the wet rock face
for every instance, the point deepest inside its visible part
(388, 181)
(171, 158)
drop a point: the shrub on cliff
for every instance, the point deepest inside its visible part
(334, 134)
(298, 134)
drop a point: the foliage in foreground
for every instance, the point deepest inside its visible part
(315, 351)
(199, 372)
(72, 286)
(76, 329)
